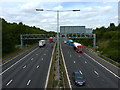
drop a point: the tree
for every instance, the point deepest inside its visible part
(112, 25)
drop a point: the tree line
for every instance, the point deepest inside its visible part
(108, 41)
(11, 34)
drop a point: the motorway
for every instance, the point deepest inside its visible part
(30, 71)
(95, 75)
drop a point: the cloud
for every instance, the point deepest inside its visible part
(60, 1)
(90, 15)
(59, 7)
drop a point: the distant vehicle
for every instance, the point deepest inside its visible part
(65, 42)
(50, 39)
(41, 43)
(70, 42)
(78, 47)
(78, 78)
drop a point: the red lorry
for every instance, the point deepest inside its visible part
(50, 39)
(78, 47)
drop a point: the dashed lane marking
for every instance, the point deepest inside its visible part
(103, 66)
(38, 66)
(96, 72)
(28, 82)
(31, 58)
(80, 72)
(9, 82)
(24, 66)
(74, 61)
(17, 62)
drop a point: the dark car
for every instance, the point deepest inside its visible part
(78, 78)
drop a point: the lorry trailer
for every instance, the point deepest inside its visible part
(78, 47)
(41, 43)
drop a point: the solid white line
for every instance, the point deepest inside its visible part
(70, 56)
(42, 58)
(85, 62)
(36, 54)
(28, 82)
(17, 61)
(49, 67)
(44, 54)
(66, 69)
(96, 72)
(13, 58)
(103, 66)
(38, 66)
(108, 62)
(9, 82)
(79, 56)
(24, 66)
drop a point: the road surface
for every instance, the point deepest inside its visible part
(29, 71)
(95, 75)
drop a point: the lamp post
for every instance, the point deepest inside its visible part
(58, 35)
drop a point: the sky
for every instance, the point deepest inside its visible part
(92, 14)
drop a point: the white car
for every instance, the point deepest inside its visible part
(65, 42)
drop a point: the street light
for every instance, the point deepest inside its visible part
(58, 17)
(58, 34)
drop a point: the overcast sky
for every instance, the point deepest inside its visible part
(92, 14)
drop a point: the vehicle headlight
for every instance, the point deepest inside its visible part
(76, 81)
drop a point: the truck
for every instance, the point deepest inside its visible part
(41, 43)
(78, 47)
(70, 42)
(50, 39)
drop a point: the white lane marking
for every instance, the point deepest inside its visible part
(79, 56)
(49, 67)
(74, 61)
(103, 66)
(28, 82)
(70, 55)
(31, 58)
(44, 54)
(17, 62)
(66, 69)
(15, 57)
(96, 72)
(24, 66)
(108, 62)
(36, 54)
(85, 62)
(38, 66)
(9, 82)
(80, 72)
(42, 58)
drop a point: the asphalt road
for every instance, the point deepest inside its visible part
(95, 75)
(29, 71)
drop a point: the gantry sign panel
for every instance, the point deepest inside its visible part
(35, 36)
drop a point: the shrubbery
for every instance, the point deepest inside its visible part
(108, 41)
(11, 35)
